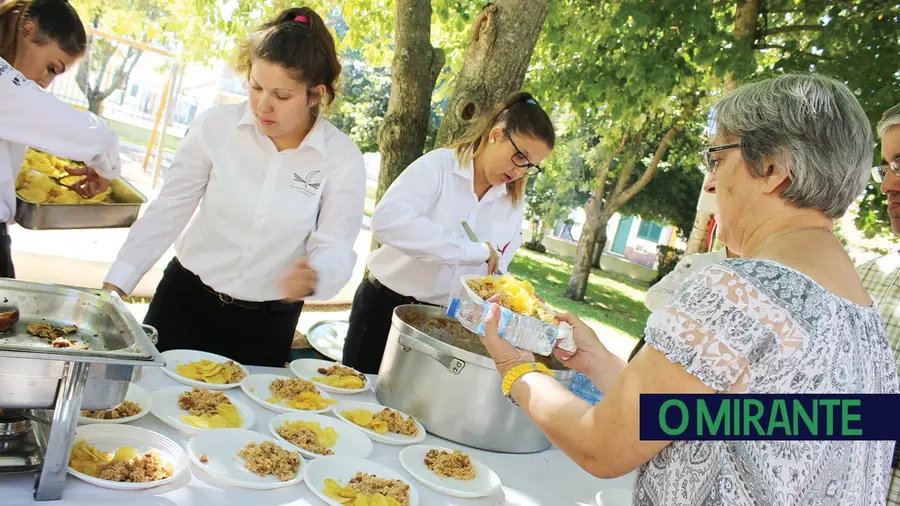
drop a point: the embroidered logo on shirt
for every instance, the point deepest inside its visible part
(307, 185)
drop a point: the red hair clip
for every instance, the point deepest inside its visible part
(302, 20)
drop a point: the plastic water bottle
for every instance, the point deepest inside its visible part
(583, 388)
(520, 331)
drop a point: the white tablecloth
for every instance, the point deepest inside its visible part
(547, 479)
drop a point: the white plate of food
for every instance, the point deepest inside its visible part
(137, 404)
(246, 459)
(109, 455)
(395, 429)
(451, 473)
(286, 394)
(329, 376)
(340, 472)
(179, 406)
(202, 369)
(343, 439)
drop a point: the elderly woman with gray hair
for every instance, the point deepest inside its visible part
(789, 156)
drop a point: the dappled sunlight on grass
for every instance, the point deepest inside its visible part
(613, 305)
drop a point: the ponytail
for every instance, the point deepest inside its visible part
(298, 40)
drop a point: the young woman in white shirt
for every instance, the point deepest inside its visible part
(280, 193)
(40, 40)
(419, 222)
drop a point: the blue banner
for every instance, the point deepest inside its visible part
(666, 417)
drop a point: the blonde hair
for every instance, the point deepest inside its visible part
(519, 114)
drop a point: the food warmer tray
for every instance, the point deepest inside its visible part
(35, 376)
(121, 213)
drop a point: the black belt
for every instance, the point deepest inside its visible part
(274, 305)
(406, 298)
(4, 230)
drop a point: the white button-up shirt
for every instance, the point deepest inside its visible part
(30, 117)
(425, 249)
(260, 211)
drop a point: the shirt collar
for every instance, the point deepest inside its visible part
(314, 139)
(467, 171)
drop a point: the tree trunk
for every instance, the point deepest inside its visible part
(415, 69)
(697, 239)
(746, 15)
(598, 248)
(500, 46)
(581, 269)
(94, 104)
(598, 210)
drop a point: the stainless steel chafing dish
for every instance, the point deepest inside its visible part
(121, 213)
(35, 376)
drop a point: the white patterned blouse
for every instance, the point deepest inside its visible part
(750, 326)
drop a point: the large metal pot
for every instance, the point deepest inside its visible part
(455, 393)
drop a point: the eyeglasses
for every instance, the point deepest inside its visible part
(710, 164)
(520, 160)
(880, 171)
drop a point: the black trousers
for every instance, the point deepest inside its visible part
(6, 264)
(190, 315)
(370, 323)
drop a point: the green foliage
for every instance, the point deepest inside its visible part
(565, 182)
(667, 259)
(856, 41)
(671, 196)
(362, 103)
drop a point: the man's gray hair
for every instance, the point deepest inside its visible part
(889, 119)
(815, 130)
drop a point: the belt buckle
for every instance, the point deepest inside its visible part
(225, 298)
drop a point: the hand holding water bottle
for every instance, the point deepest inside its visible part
(590, 352)
(505, 355)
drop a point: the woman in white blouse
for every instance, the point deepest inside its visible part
(789, 316)
(280, 193)
(419, 221)
(40, 40)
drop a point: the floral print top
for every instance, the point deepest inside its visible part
(751, 326)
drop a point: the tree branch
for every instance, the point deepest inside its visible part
(628, 166)
(651, 168)
(783, 48)
(793, 28)
(603, 172)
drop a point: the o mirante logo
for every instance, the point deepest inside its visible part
(666, 417)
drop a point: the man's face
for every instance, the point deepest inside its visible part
(890, 152)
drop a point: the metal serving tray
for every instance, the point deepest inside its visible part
(30, 370)
(120, 214)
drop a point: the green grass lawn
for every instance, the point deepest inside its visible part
(138, 135)
(613, 305)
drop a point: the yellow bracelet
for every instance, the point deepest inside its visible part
(519, 371)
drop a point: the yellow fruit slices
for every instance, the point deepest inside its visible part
(309, 435)
(34, 183)
(515, 294)
(348, 382)
(211, 372)
(226, 417)
(350, 497)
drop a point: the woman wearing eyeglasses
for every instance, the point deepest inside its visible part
(425, 249)
(789, 317)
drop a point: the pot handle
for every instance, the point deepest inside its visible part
(151, 332)
(453, 364)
